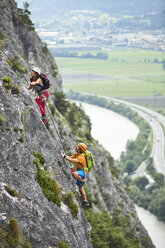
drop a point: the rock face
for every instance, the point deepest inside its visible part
(25, 142)
(23, 43)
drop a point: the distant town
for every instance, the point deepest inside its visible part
(93, 30)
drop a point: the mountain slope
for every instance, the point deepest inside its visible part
(35, 182)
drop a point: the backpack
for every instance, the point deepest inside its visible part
(90, 161)
(45, 80)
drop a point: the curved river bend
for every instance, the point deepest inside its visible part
(112, 131)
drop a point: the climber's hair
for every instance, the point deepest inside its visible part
(35, 77)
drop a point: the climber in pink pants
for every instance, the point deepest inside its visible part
(40, 83)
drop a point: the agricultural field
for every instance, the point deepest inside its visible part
(129, 72)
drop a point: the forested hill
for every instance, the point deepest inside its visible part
(118, 7)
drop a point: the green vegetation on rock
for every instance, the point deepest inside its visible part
(63, 244)
(50, 188)
(17, 66)
(12, 191)
(2, 120)
(8, 84)
(24, 14)
(79, 122)
(15, 90)
(68, 199)
(108, 232)
(1, 39)
(12, 236)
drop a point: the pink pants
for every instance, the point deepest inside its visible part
(40, 100)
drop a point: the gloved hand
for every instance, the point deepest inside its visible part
(63, 155)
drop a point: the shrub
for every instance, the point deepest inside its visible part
(22, 118)
(130, 166)
(21, 139)
(12, 192)
(40, 157)
(9, 62)
(16, 129)
(1, 39)
(2, 120)
(55, 72)
(60, 102)
(114, 235)
(54, 69)
(103, 163)
(24, 14)
(14, 236)
(27, 245)
(17, 66)
(1, 36)
(15, 90)
(50, 188)
(8, 86)
(3, 234)
(69, 201)
(7, 83)
(7, 79)
(63, 244)
(141, 182)
(52, 108)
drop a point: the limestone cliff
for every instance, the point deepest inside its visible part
(35, 183)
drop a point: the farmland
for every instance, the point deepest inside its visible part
(127, 72)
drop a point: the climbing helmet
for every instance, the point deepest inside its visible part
(82, 146)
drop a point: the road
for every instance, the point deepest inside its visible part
(158, 148)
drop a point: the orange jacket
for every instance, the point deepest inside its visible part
(81, 158)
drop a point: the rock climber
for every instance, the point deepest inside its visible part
(36, 83)
(79, 159)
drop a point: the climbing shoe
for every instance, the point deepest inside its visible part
(85, 203)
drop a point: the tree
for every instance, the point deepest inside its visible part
(127, 180)
(156, 60)
(103, 56)
(131, 145)
(164, 64)
(24, 13)
(130, 166)
(157, 205)
(159, 179)
(26, 6)
(141, 182)
(60, 102)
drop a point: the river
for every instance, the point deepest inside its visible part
(110, 129)
(113, 131)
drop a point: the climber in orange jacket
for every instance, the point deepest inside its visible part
(79, 160)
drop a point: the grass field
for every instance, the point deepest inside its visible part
(131, 72)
